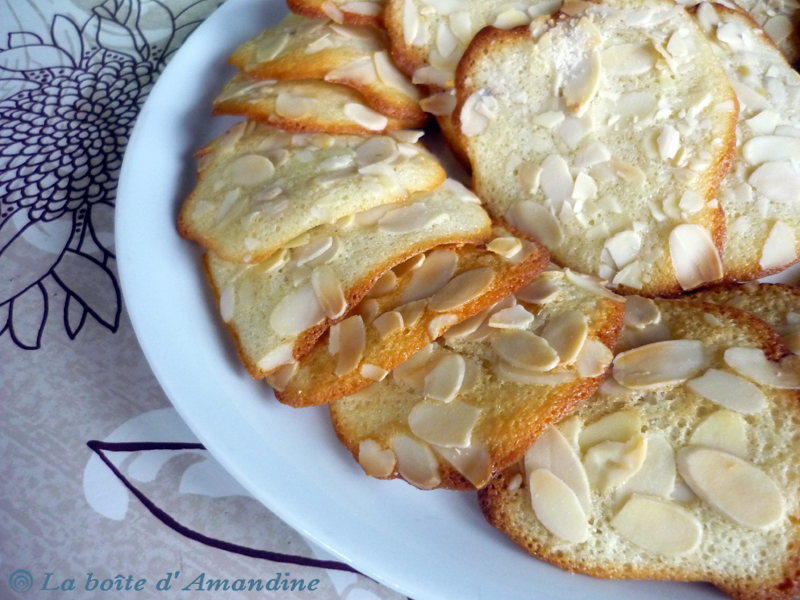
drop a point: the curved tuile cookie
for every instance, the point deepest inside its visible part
(630, 125)
(458, 411)
(259, 187)
(778, 305)
(778, 18)
(429, 37)
(353, 12)
(356, 56)
(305, 105)
(761, 194)
(397, 320)
(682, 481)
(277, 309)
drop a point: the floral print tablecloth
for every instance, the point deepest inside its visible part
(104, 491)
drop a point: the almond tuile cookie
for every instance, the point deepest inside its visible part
(305, 105)
(260, 187)
(668, 508)
(277, 309)
(356, 56)
(369, 12)
(761, 194)
(775, 303)
(481, 411)
(617, 167)
(390, 340)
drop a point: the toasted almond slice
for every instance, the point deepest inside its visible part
(297, 312)
(473, 462)
(438, 268)
(515, 317)
(658, 526)
(378, 149)
(388, 323)
(723, 430)
(416, 463)
(619, 426)
(610, 464)
(713, 475)
(365, 116)
(640, 312)
(413, 263)
(581, 85)
(412, 372)
(694, 256)
(624, 247)
(407, 219)
(385, 284)
(329, 291)
(375, 461)
(594, 359)
(556, 179)
(780, 248)
(412, 311)
(656, 477)
(592, 284)
(313, 250)
(539, 291)
(410, 22)
(753, 364)
(368, 309)
(536, 221)
(629, 59)
(391, 76)
(443, 381)
(373, 372)
(441, 323)
(251, 169)
(505, 246)
(508, 372)
(557, 507)
(280, 378)
(728, 390)
(227, 303)
(282, 355)
(552, 451)
(566, 333)
(778, 181)
(352, 342)
(524, 350)
(462, 289)
(661, 363)
(448, 425)
(442, 104)
(473, 119)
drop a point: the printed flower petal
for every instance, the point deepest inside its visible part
(28, 316)
(93, 284)
(31, 58)
(74, 316)
(23, 38)
(67, 36)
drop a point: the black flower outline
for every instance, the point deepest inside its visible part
(68, 102)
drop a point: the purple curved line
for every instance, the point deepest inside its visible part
(99, 447)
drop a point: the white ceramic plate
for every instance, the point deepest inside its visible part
(426, 545)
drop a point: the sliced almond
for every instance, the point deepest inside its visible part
(756, 501)
(629, 59)
(619, 426)
(448, 425)
(515, 317)
(640, 312)
(556, 180)
(373, 372)
(391, 76)
(378, 149)
(723, 430)
(594, 359)
(412, 372)
(473, 119)
(227, 303)
(582, 82)
(388, 323)
(505, 246)
(508, 372)
(442, 104)
(552, 451)
(297, 312)
(729, 391)
(473, 462)
(536, 221)
(694, 256)
(365, 116)
(375, 461)
(661, 363)
(407, 219)
(411, 23)
(443, 381)
(778, 181)
(780, 248)
(566, 333)
(412, 311)
(385, 284)
(557, 507)
(313, 250)
(280, 378)
(524, 350)
(282, 355)
(251, 169)
(591, 284)
(438, 268)
(624, 247)
(441, 323)
(753, 364)
(462, 289)
(368, 309)
(658, 525)
(539, 291)
(656, 477)
(329, 291)
(468, 326)
(771, 148)
(416, 462)
(352, 342)
(610, 464)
